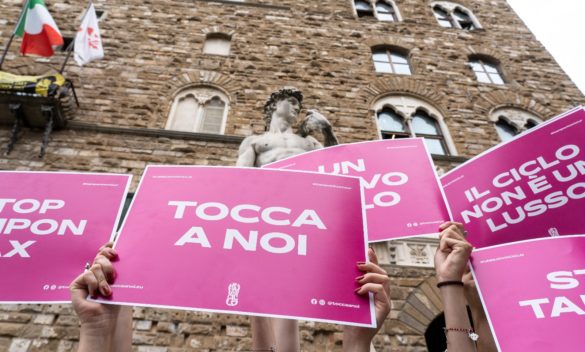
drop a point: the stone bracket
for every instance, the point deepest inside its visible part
(47, 112)
(16, 109)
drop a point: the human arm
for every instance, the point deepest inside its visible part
(480, 322)
(263, 338)
(450, 263)
(376, 281)
(104, 327)
(275, 333)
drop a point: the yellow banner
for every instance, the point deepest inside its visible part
(45, 85)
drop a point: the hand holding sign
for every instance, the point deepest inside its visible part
(529, 187)
(450, 263)
(375, 281)
(54, 221)
(104, 325)
(453, 252)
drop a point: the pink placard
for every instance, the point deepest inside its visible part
(51, 224)
(403, 197)
(533, 292)
(245, 240)
(532, 186)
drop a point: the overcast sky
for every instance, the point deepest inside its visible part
(560, 27)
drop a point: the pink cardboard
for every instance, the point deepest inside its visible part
(51, 224)
(247, 241)
(532, 186)
(533, 292)
(403, 197)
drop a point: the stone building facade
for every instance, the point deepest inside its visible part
(469, 70)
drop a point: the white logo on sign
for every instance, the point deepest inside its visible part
(322, 302)
(553, 232)
(314, 301)
(232, 297)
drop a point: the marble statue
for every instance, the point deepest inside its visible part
(281, 112)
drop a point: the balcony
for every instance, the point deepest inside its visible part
(37, 97)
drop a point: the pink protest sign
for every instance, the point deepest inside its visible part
(533, 293)
(403, 197)
(532, 186)
(245, 240)
(51, 224)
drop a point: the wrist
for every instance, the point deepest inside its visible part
(356, 345)
(357, 339)
(449, 277)
(95, 339)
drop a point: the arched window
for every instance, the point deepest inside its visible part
(510, 121)
(505, 130)
(486, 70)
(217, 44)
(463, 19)
(391, 124)
(443, 17)
(452, 15)
(385, 11)
(202, 110)
(423, 125)
(391, 60)
(530, 123)
(404, 117)
(364, 8)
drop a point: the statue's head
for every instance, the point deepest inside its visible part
(279, 95)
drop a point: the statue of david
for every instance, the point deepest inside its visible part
(279, 141)
(281, 112)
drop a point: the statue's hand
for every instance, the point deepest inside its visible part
(314, 122)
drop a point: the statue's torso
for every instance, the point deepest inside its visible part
(271, 147)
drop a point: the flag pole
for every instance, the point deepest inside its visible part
(13, 33)
(69, 48)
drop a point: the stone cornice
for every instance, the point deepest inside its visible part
(153, 132)
(248, 4)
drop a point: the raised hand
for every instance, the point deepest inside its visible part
(104, 327)
(376, 281)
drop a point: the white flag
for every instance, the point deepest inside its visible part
(88, 42)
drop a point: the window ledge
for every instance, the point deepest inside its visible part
(248, 4)
(449, 158)
(154, 132)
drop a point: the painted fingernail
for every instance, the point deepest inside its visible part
(373, 250)
(107, 290)
(359, 278)
(357, 289)
(361, 263)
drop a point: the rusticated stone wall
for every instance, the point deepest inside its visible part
(154, 49)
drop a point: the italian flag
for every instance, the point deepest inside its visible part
(38, 30)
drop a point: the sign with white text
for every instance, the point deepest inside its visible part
(533, 292)
(532, 186)
(51, 224)
(403, 197)
(247, 241)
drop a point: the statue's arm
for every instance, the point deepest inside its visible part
(330, 137)
(247, 153)
(314, 122)
(315, 144)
